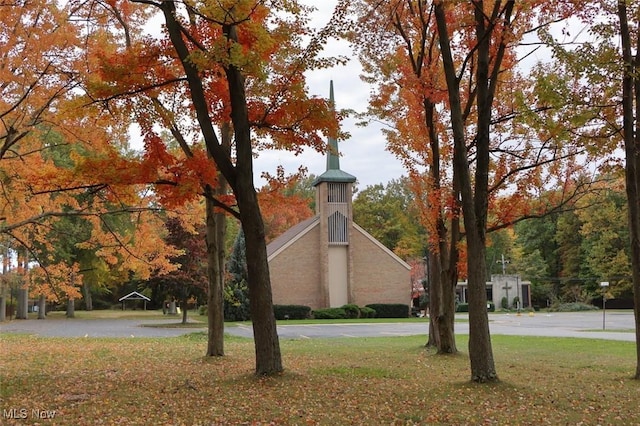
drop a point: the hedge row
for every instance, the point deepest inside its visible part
(390, 310)
(283, 312)
(464, 307)
(344, 312)
(377, 310)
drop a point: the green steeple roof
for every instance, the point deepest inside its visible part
(333, 172)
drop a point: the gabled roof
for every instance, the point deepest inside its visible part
(291, 235)
(134, 295)
(298, 231)
(381, 246)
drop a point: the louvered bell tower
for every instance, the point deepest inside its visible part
(334, 190)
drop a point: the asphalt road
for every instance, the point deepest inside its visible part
(618, 326)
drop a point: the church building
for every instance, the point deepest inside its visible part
(328, 260)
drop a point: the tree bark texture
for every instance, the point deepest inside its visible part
(474, 192)
(23, 303)
(88, 300)
(435, 302)
(71, 308)
(42, 307)
(631, 135)
(183, 304)
(267, 345)
(215, 307)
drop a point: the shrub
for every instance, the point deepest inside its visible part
(282, 312)
(516, 302)
(504, 303)
(462, 307)
(390, 310)
(330, 313)
(573, 307)
(202, 310)
(424, 301)
(367, 312)
(236, 301)
(352, 310)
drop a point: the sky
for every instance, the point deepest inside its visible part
(363, 155)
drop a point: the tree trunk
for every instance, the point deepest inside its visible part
(216, 232)
(183, 304)
(474, 193)
(3, 308)
(238, 173)
(215, 307)
(442, 307)
(480, 350)
(23, 304)
(71, 308)
(441, 329)
(435, 302)
(88, 300)
(42, 307)
(631, 135)
(267, 345)
(447, 317)
(448, 277)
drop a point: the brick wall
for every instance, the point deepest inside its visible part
(377, 276)
(295, 273)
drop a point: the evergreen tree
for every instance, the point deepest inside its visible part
(236, 291)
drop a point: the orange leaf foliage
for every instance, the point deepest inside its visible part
(48, 134)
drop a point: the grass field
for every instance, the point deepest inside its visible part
(357, 381)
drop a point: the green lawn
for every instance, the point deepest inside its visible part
(377, 381)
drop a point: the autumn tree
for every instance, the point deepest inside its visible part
(398, 51)
(45, 135)
(189, 280)
(237, 64)
(466, 124)
(280, 191)
(600, 74)
(631, 137)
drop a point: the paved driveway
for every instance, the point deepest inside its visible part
(619, 326)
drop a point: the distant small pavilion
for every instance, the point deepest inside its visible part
(134, 295)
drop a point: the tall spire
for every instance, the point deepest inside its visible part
(333, 155)
(333, 172)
